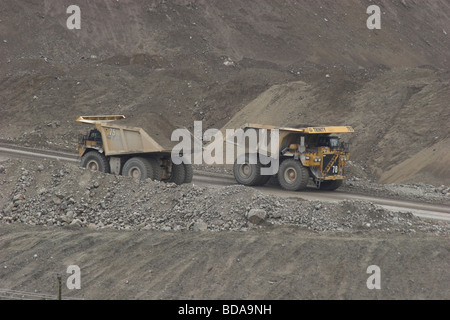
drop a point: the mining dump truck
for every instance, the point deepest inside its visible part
(304, 154)
(128, 151)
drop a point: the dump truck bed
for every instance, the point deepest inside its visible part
(285, 132)
(305, 130)
(121, 139)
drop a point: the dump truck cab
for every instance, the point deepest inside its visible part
(305, 153)
(92, 140)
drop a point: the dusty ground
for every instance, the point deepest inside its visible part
(270, 263)
(152, 240)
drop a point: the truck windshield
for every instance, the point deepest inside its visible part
(334, 142)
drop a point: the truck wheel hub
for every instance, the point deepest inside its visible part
(245, 170)
(135, 173)
(92, 165)
(290, 175)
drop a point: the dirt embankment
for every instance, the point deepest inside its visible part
(275, 263)
(52, 193)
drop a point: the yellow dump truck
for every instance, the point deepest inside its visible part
(129, 151)
(303, 153)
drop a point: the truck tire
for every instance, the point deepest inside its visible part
(293, 176)
(330, 185)
(246, 173)
(188, 172)
(95, 161)
(138, 168)
(178, 174)
(157, 170)
(273, 180)
(263, 180)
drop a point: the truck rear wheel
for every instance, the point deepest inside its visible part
(263, 180)
(178, 174)
(157, 169)
(330, 185)
(293, 175)
(188, 172)
(246, 173)
(95, 161)
(273, 180)
(138, 168)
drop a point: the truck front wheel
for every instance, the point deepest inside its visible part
(293, 175)
(95, 161)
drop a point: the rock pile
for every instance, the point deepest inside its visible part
(417, 191)
(52, 193)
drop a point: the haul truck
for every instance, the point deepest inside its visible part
(129, 151)
(304, 153)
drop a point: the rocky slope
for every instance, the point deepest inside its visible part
(51, 193)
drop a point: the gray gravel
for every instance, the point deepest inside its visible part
(52, 193)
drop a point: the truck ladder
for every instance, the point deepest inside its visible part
(330, 164)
